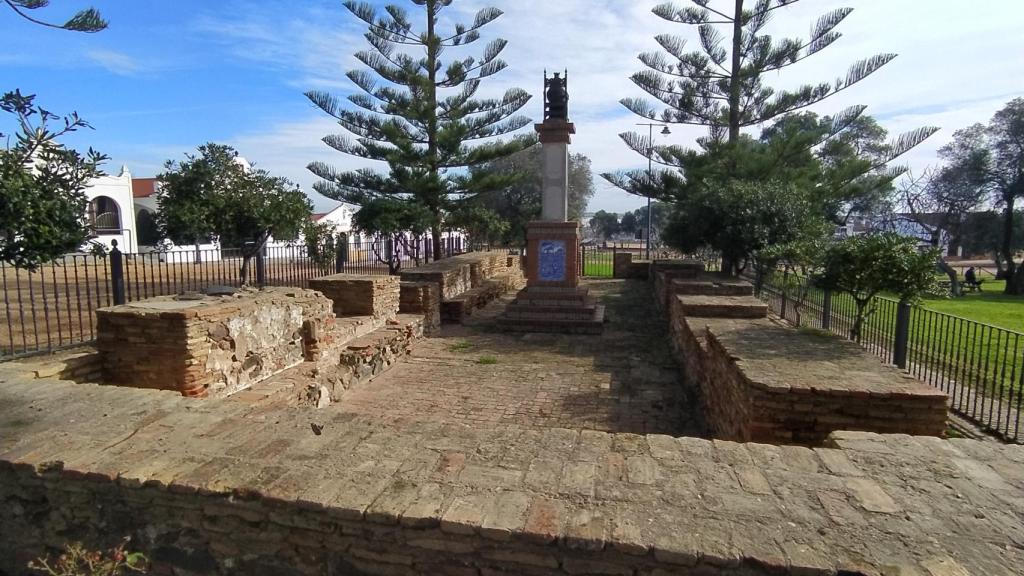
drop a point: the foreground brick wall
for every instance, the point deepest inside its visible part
(214, 346)
(360, 295)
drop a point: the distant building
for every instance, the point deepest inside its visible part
(110, 212)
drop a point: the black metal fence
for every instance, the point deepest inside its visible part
(980, 366)
(54, 306)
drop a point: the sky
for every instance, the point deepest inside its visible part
(169, 75)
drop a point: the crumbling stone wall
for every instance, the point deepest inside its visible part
(215, 345)
(360, 295)
(422, 298)
(469, 281)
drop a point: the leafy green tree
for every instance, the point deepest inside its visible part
(190, 194)
(992, 157)
(399, 224)
(629, 224)
(88, 20)
(321, 243)
(605, 224)
(519, 203)
(739, 218)
(660, 214)
(482, 225)
(420, 115)
(42, 204)
(213, 194)
(865, 266)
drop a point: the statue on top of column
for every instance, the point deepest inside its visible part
(556, 97)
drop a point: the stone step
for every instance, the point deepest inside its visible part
(712, 285)
(594, 324)
(722, 306)
(517, 308)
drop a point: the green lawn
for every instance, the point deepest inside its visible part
(598, 264)
(990, 307)
(956, 344)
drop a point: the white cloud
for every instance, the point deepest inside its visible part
(956, 67)
(114, 61)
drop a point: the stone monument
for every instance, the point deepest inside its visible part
(553, 301)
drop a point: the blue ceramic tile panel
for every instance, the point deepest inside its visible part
(552, 260)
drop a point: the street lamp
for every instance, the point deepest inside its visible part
(650, 172)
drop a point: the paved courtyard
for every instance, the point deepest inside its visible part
(622, 381)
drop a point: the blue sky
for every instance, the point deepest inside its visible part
(170, 75)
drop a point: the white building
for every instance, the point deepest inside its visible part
(111, 213)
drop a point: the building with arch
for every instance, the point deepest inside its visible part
(111, 212)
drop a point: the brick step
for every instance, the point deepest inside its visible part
(722, 306)
(518, 308)
(593, 324)
(704, 286)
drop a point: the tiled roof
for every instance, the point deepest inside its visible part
(143, 187)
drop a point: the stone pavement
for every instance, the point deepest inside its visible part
(622, 381)
(220, 486)
(482, 476)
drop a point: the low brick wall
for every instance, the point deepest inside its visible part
(422, 298)
(212, 346)
(360, 295)
(664, 272)
(764, 382)
(469, 281)
(623, 267)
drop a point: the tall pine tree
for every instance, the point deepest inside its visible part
(721, 85)
(418, 112)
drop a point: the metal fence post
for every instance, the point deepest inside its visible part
(583, 259)
(117, 275)
(826, 310)
(902, 338)
(341, 254)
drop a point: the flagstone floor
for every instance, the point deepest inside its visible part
(622, 381)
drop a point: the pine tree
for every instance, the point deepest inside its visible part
(723, 88)
(419, 114)
(87, 20)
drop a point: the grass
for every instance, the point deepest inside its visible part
(487, 360)
(989, 307)
(460, 346)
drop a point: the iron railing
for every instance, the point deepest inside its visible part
(980, 366)
(53, 307)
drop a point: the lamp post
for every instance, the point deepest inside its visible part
(650, 172)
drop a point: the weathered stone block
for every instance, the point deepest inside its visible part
(361, 295)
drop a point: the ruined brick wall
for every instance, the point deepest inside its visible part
(360, 295)
(422, 298)
(663, 272)
(217, 347)
(623, 267)
(764, 382)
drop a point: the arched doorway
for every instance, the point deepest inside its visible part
(105, 216)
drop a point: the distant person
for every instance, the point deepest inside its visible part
(971, 279)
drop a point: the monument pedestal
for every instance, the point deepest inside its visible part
(553, 301)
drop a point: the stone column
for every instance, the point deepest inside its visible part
(555, 180)
(553, 242)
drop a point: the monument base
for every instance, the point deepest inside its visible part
(553, 301)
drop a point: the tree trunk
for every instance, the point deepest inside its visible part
(858, 322)
(734, 73)
(954, 282)
(199, 255)
(1015, 283)
(243, 272)
(1007, 249)
(432, 55)
(435, 232)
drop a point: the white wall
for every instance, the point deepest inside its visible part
(119, 189)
